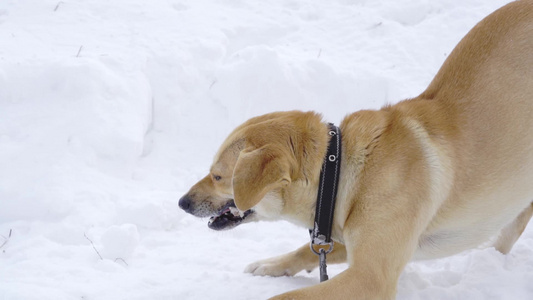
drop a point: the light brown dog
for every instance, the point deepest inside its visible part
(425, 178)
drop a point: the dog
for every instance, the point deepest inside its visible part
(425, 178)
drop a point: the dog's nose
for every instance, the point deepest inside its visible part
(185, 203)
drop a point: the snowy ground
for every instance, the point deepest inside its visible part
(111, 110)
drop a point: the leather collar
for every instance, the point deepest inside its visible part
(327, 190)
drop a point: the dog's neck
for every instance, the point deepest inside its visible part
(303, 193)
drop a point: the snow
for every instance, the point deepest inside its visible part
(111, 110)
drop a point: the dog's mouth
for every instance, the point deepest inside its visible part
(228, 217)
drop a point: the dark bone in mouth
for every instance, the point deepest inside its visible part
(228, 217)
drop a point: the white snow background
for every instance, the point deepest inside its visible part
(111, 109)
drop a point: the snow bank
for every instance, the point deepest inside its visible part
(110, 110)
(62, 117)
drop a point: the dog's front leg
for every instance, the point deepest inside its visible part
(293, 262)
(379, 243)
(371, 275)
(353, 283)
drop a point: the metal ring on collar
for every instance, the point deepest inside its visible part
(330, 244)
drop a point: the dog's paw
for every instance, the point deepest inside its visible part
(269, 267)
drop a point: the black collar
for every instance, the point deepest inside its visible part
(327, 194)
(327, 189)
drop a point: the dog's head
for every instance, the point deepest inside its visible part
(254, 165)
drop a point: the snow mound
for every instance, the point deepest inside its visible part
(119, 242)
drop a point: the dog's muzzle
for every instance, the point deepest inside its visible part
(227, 217)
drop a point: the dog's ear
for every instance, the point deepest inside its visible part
(257, 172)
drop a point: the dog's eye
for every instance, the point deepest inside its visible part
(216, 177)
